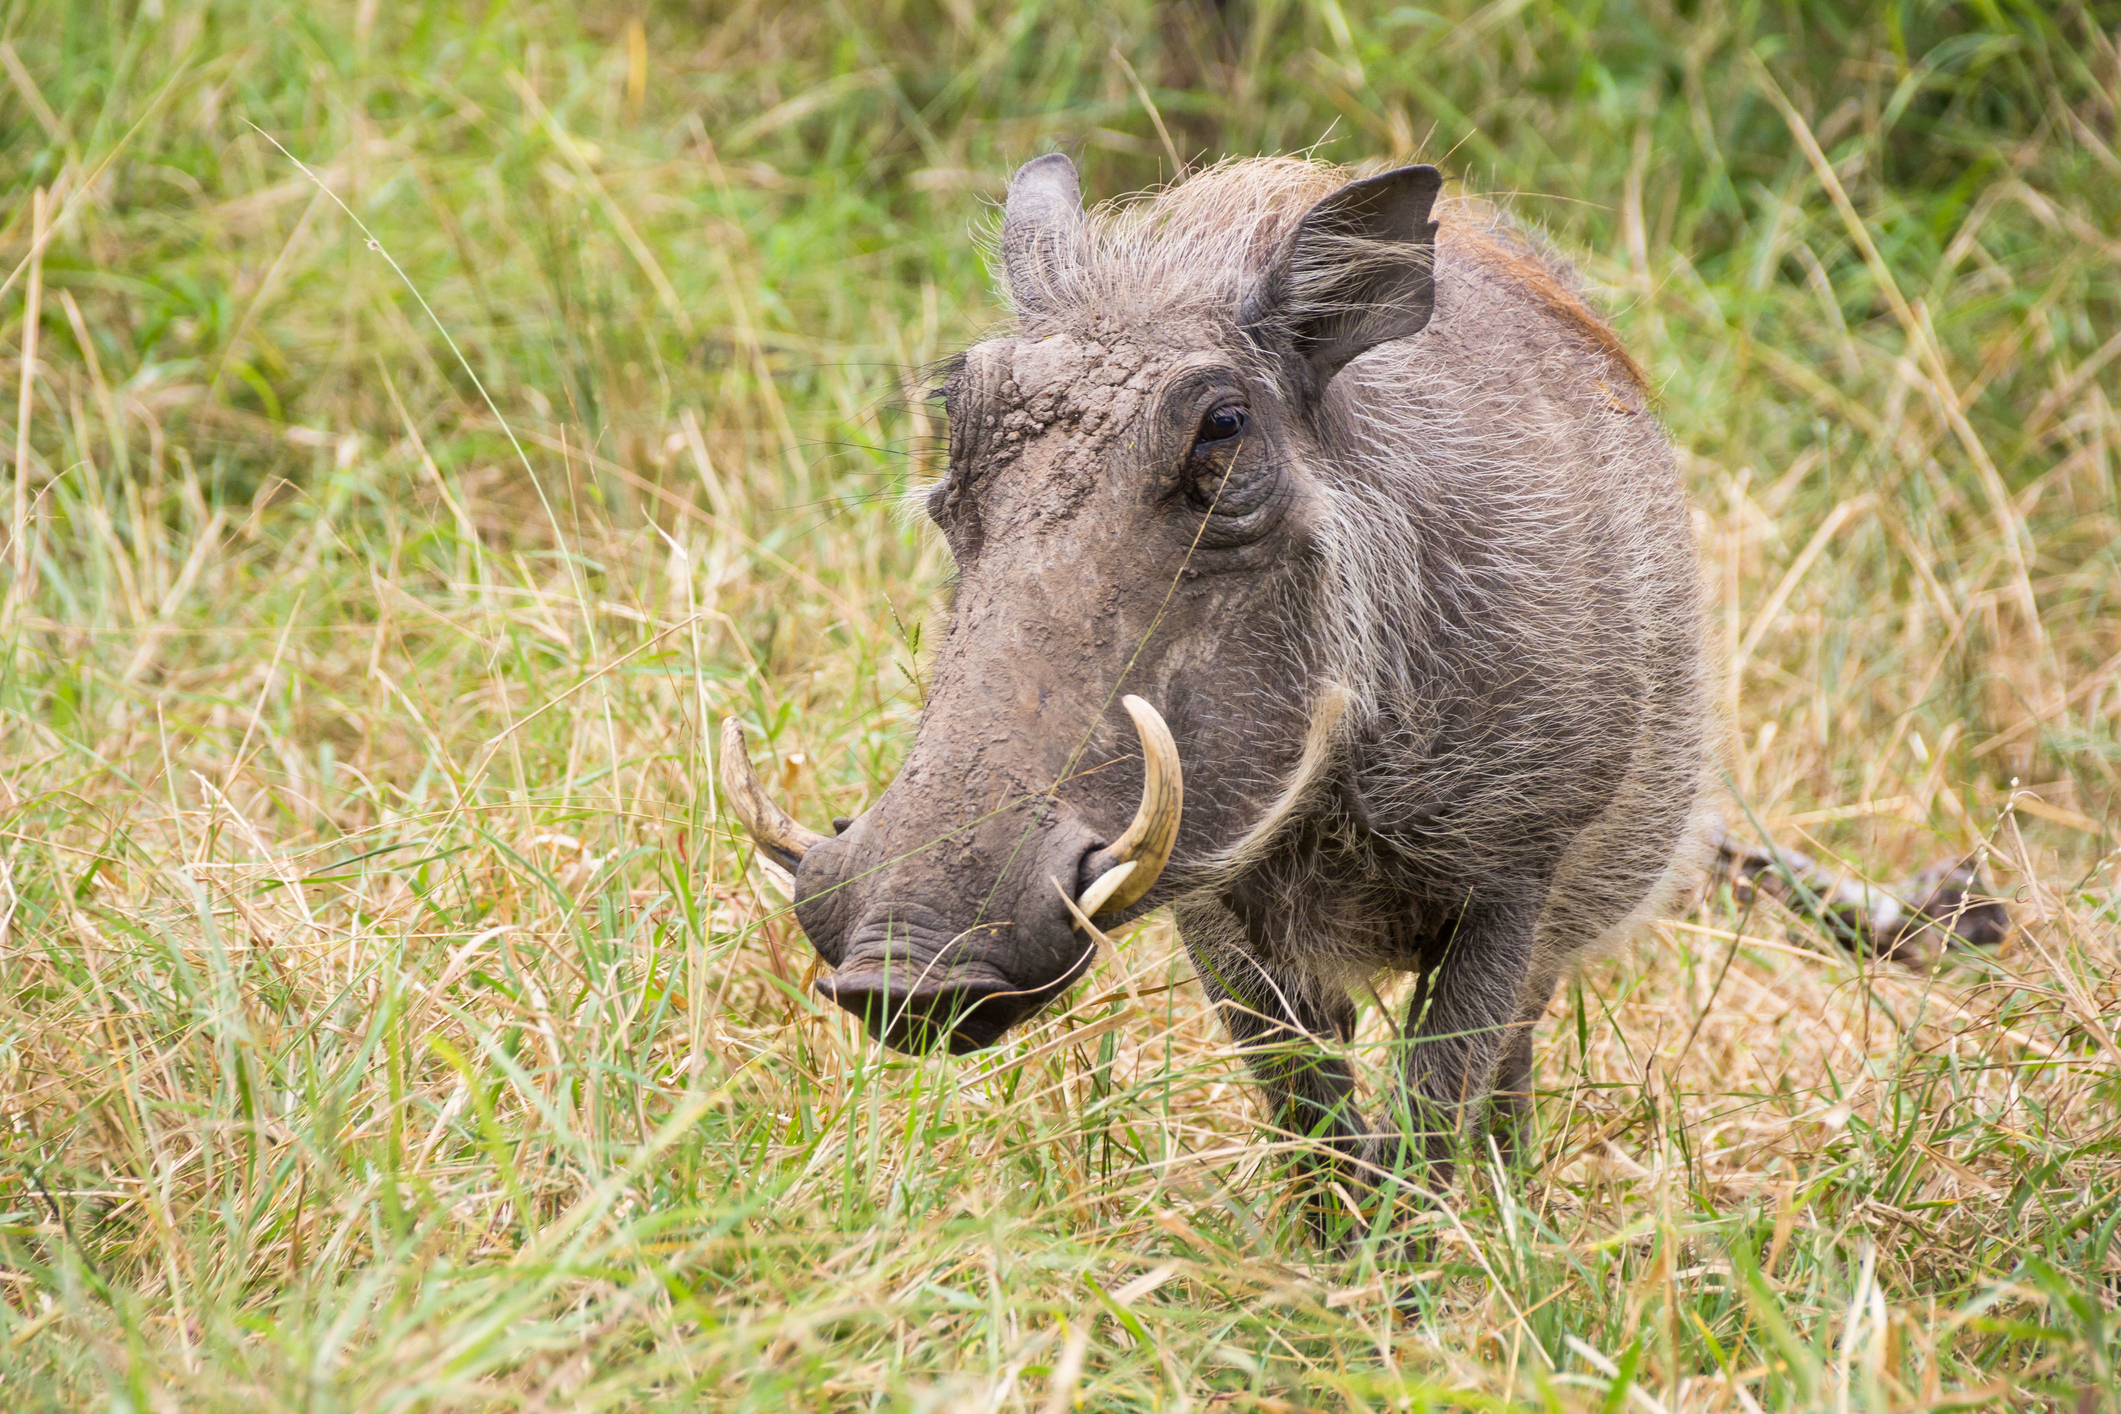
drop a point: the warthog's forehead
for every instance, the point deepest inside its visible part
(1003, 373)
(1017, 389)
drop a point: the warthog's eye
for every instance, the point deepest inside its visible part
(1227, 490)
(1221, 425)
(1214, 453)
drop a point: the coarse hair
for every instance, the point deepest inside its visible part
(1509, 598)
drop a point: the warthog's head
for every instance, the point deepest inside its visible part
(1131, 504)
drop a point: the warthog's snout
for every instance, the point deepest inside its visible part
(917, 984)
(954, 941)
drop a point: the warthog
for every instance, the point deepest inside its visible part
(1371, 532)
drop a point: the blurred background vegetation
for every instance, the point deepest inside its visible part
(769, 217)
(424, 420)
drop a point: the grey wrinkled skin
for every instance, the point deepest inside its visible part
(1427, 632)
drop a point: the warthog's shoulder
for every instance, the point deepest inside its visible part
(1474, 233)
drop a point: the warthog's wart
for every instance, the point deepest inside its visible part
(1370, 510)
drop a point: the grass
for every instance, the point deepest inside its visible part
(388, 1021)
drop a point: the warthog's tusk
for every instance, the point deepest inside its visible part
(1130, 865)
(1105, 886)
(772, 827)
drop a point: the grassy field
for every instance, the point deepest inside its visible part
(425, 422)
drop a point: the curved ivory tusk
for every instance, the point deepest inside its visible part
(1130, 865)
(771, 827)
(1105, 886)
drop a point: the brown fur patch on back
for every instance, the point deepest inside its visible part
(1472, 230)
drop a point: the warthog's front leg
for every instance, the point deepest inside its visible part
(1470, 1015)
(1512, 1098)
(1284, 1024)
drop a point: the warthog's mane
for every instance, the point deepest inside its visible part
(1205, 243)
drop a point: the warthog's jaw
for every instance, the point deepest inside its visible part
(916, 982)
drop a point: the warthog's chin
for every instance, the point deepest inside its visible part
(967, 1008)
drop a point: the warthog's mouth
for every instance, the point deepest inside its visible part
(968, 1009)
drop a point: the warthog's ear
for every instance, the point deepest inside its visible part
(1358, 269)
(1042, 230)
